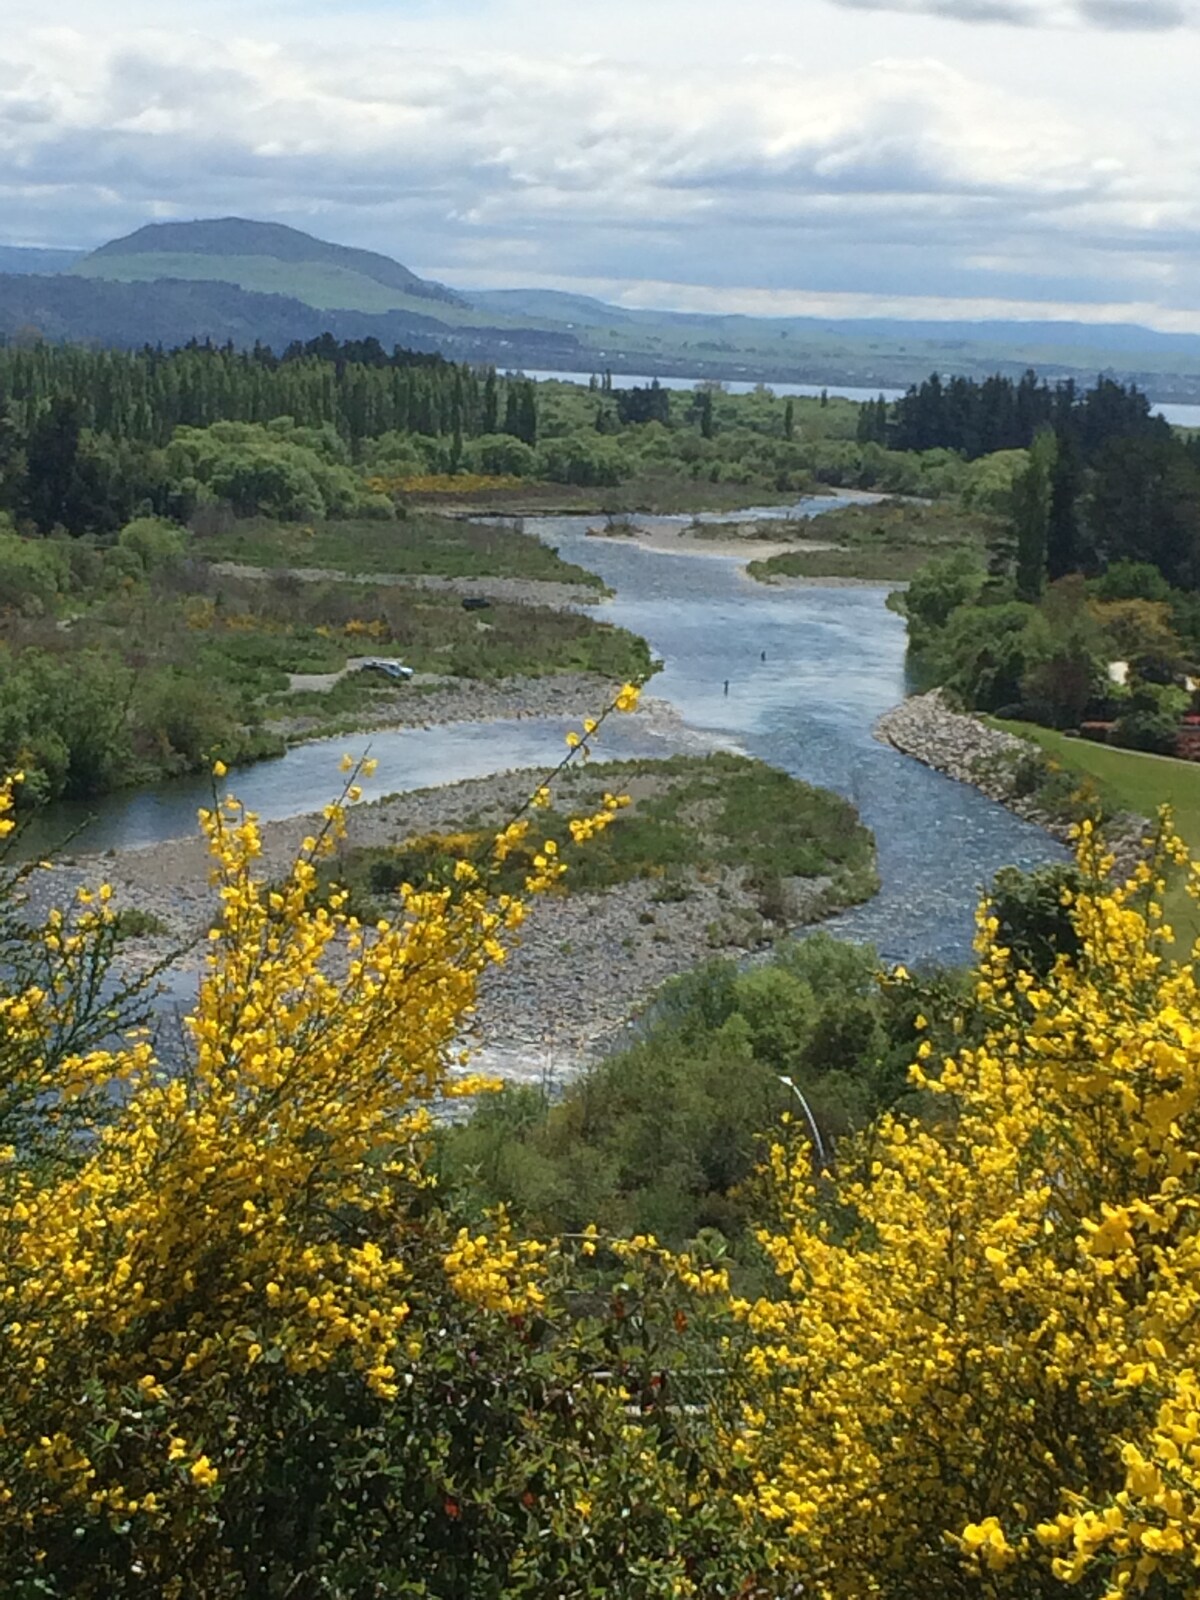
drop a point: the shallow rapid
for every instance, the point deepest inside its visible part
(834, 662)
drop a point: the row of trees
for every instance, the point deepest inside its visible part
(1138, 500)
(976, 417)
(357, 388)
(1105, 480)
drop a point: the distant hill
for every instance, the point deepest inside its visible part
(266, 258)
(172, 311)
(30, 258)
(555, 305)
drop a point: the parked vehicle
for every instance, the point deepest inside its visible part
(390, 669)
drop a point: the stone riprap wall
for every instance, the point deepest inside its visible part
(961, 746)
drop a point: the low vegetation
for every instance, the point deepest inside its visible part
(664, 1137)
(688, 818)
(127, 662)
(418, 544)
(888, 542)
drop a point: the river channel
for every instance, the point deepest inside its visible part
(809, 671)
(835, 662)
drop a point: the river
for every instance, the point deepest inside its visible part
(809, 671)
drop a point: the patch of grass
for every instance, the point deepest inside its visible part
(689, 815)
(134, 923)
(419, 544)
(878, 566)
(1130, 780)
(886, 542)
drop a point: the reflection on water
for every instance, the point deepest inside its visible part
(307, 776)
(797, 676)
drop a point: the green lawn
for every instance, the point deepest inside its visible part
(1132, 781)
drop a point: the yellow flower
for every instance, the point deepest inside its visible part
(203, 1472)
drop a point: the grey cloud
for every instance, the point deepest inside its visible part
(1145, 15)
(1153, 16)
(1017, 12)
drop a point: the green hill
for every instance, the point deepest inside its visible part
(267, 258)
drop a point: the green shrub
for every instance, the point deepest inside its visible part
(1151, 718)
(155, 541)
(34, 573)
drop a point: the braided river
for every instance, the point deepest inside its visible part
(795, 675)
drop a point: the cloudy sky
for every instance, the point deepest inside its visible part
(899, 157)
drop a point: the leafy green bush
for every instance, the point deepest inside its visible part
(983, 654)
(500, 454)
(1033, 910)
(1151, 718)
(664, 1136)
(154, 540)
(277, 470)
(941, 586)
(34, 573)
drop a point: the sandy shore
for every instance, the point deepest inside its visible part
(726, 541)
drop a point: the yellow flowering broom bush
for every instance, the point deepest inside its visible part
(244, 1347)
(980, 1374)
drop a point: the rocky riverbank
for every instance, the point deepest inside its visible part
(1000, 765)
(585, 962)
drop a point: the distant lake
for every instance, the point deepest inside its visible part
(1179, 416)
(807, 391)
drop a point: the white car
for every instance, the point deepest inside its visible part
(392, 669)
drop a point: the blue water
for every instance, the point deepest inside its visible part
(834, 662)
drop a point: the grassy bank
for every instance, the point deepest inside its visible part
(1129, 780)
(885, 542)
(797, 851)
(420, 544)
(652, 494)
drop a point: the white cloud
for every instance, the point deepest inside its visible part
(806, 170)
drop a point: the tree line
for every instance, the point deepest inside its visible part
(977, 417)
(356, 387)
(1107, 479)
(83, 432)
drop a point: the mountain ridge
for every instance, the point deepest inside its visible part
(240, 238)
